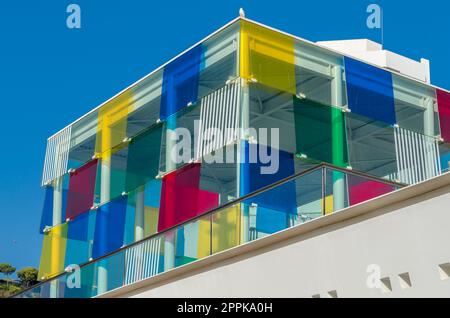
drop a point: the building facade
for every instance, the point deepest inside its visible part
(250, 132)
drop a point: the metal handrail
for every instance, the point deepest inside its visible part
(228, 204)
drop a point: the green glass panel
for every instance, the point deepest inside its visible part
(143, 159)
(320, 132)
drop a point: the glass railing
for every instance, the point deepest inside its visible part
(311, 194)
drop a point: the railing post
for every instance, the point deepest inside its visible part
(57, 220)
(241, 157)
(169, 238)
(139, 214)
(338, 138)
(428, 126)
(105, 196)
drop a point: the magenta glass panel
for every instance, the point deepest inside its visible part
(81, 189)
(361, 190)
(181, 197)
(443, 99)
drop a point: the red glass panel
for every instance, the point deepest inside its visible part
(444, 113)
(81, 189)
(182, 199)
(363, 190)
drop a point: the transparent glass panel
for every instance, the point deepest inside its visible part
(336, 195)
(219, 173)
(83, 135)
(178, 138)
(193, 241)
(320, 75)
(310, 198)
(168, 241)
(146, 107)
(272, 110)
(371, 147)
(146, 198)
(131, 218)
(111, 176)
(220, 61)
(415, 106)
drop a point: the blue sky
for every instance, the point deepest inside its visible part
(51, 75)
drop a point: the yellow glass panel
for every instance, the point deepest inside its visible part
(267, 56)
(53, 252)
(329, 205)
(226, 228)
(112, 123)
(204, 238)
(150, 220)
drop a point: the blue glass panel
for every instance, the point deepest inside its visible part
(115, 267)
(273, 205)
(270, 221)
(179, 259)
(370, 91)
(445, 157)
(109, 227)
(153, 193)
(79, 239)
(130, 219)
(47, 210)
(254, 177)
(180, 82)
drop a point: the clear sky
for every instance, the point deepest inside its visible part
(51, 75)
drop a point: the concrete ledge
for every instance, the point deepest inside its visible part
(310, 228)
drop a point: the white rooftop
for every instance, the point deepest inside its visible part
(373, 52)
